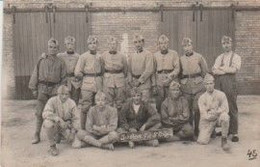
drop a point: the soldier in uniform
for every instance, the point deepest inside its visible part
(60, 119)
(70, 57)
(193, 70)
(137, 115)
(115, 67)
(225, 68)
(175, 114)
(48, 74)
(89, 67)
(167, 68)
(213, 106)
(100, 126)
(141, 68)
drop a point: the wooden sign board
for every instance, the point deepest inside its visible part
(146, 135)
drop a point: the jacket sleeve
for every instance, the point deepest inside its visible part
(75, 117)
(153, 116)
(122, 117)
(203, 66)
(113, 119)
(164, 114)
(90, 122)
(63, 73)
(176, 63)
(49, 111)
(79, 67)
(185, 115)
(202, 107)
(149, 68)
(33, 83)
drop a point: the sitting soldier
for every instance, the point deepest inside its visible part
(175, 114)
(100, 126)
(214, 109)
(137, 115)
(60, 119)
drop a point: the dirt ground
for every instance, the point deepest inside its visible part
(17, 150)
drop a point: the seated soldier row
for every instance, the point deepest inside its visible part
(105, 124)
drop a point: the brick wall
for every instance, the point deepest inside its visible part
(248, 46)
(104, 24)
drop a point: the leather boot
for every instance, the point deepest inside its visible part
(53, 150)
(224, 144)
(37, 133)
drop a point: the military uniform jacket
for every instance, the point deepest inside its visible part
(67, 111)
(89, 66)
(115, 67)
(48, 74)
(107, 118)
(193, 70)
(166, 65)
(70, 61)
(175, 113)
(217, 102)
(141, 68)
(145, 115)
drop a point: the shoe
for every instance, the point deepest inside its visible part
(154, 143)
(36, 139)
(131, 144)
(224, 144)
(109, 147)
(219, 133)
(77, 143)
(53, 150)
(235, 138)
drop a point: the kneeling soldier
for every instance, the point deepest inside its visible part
(100, 126)
(175, 114)
(60, 119)
(137, 115)
(214, 109)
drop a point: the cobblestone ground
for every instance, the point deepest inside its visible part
(17, 151)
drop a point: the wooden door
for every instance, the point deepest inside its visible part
(31, 33)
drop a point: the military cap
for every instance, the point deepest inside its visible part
(63, 89)
(138, 37)
(174, 85)
(135, 91)
(69, 39)
(54, 41)
(186, 41)
(111, 39)
(163, 38)
(92, 38)
(208, 78)
(226, 39)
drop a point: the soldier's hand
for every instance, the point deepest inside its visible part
(35, 93)
(143, 128)
(132, 130)
(43, 56)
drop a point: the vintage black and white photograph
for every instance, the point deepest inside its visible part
(127, 83)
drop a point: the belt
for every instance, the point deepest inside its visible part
(114, 71)
(70, 75)
(48, 83)
(136, 76)
(164, 71)
(191, 75)
(92, 74)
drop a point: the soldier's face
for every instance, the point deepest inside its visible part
(100, 101)
(163, 45)
(174, 93)
(52, 49)
(112, 46)
(70, 46)
(92, 46)
(137, 98)
(188, 49)
(209, 86)
(139, 44)
(64, 96)
(227, 46)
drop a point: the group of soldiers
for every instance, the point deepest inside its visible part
(144, 92)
